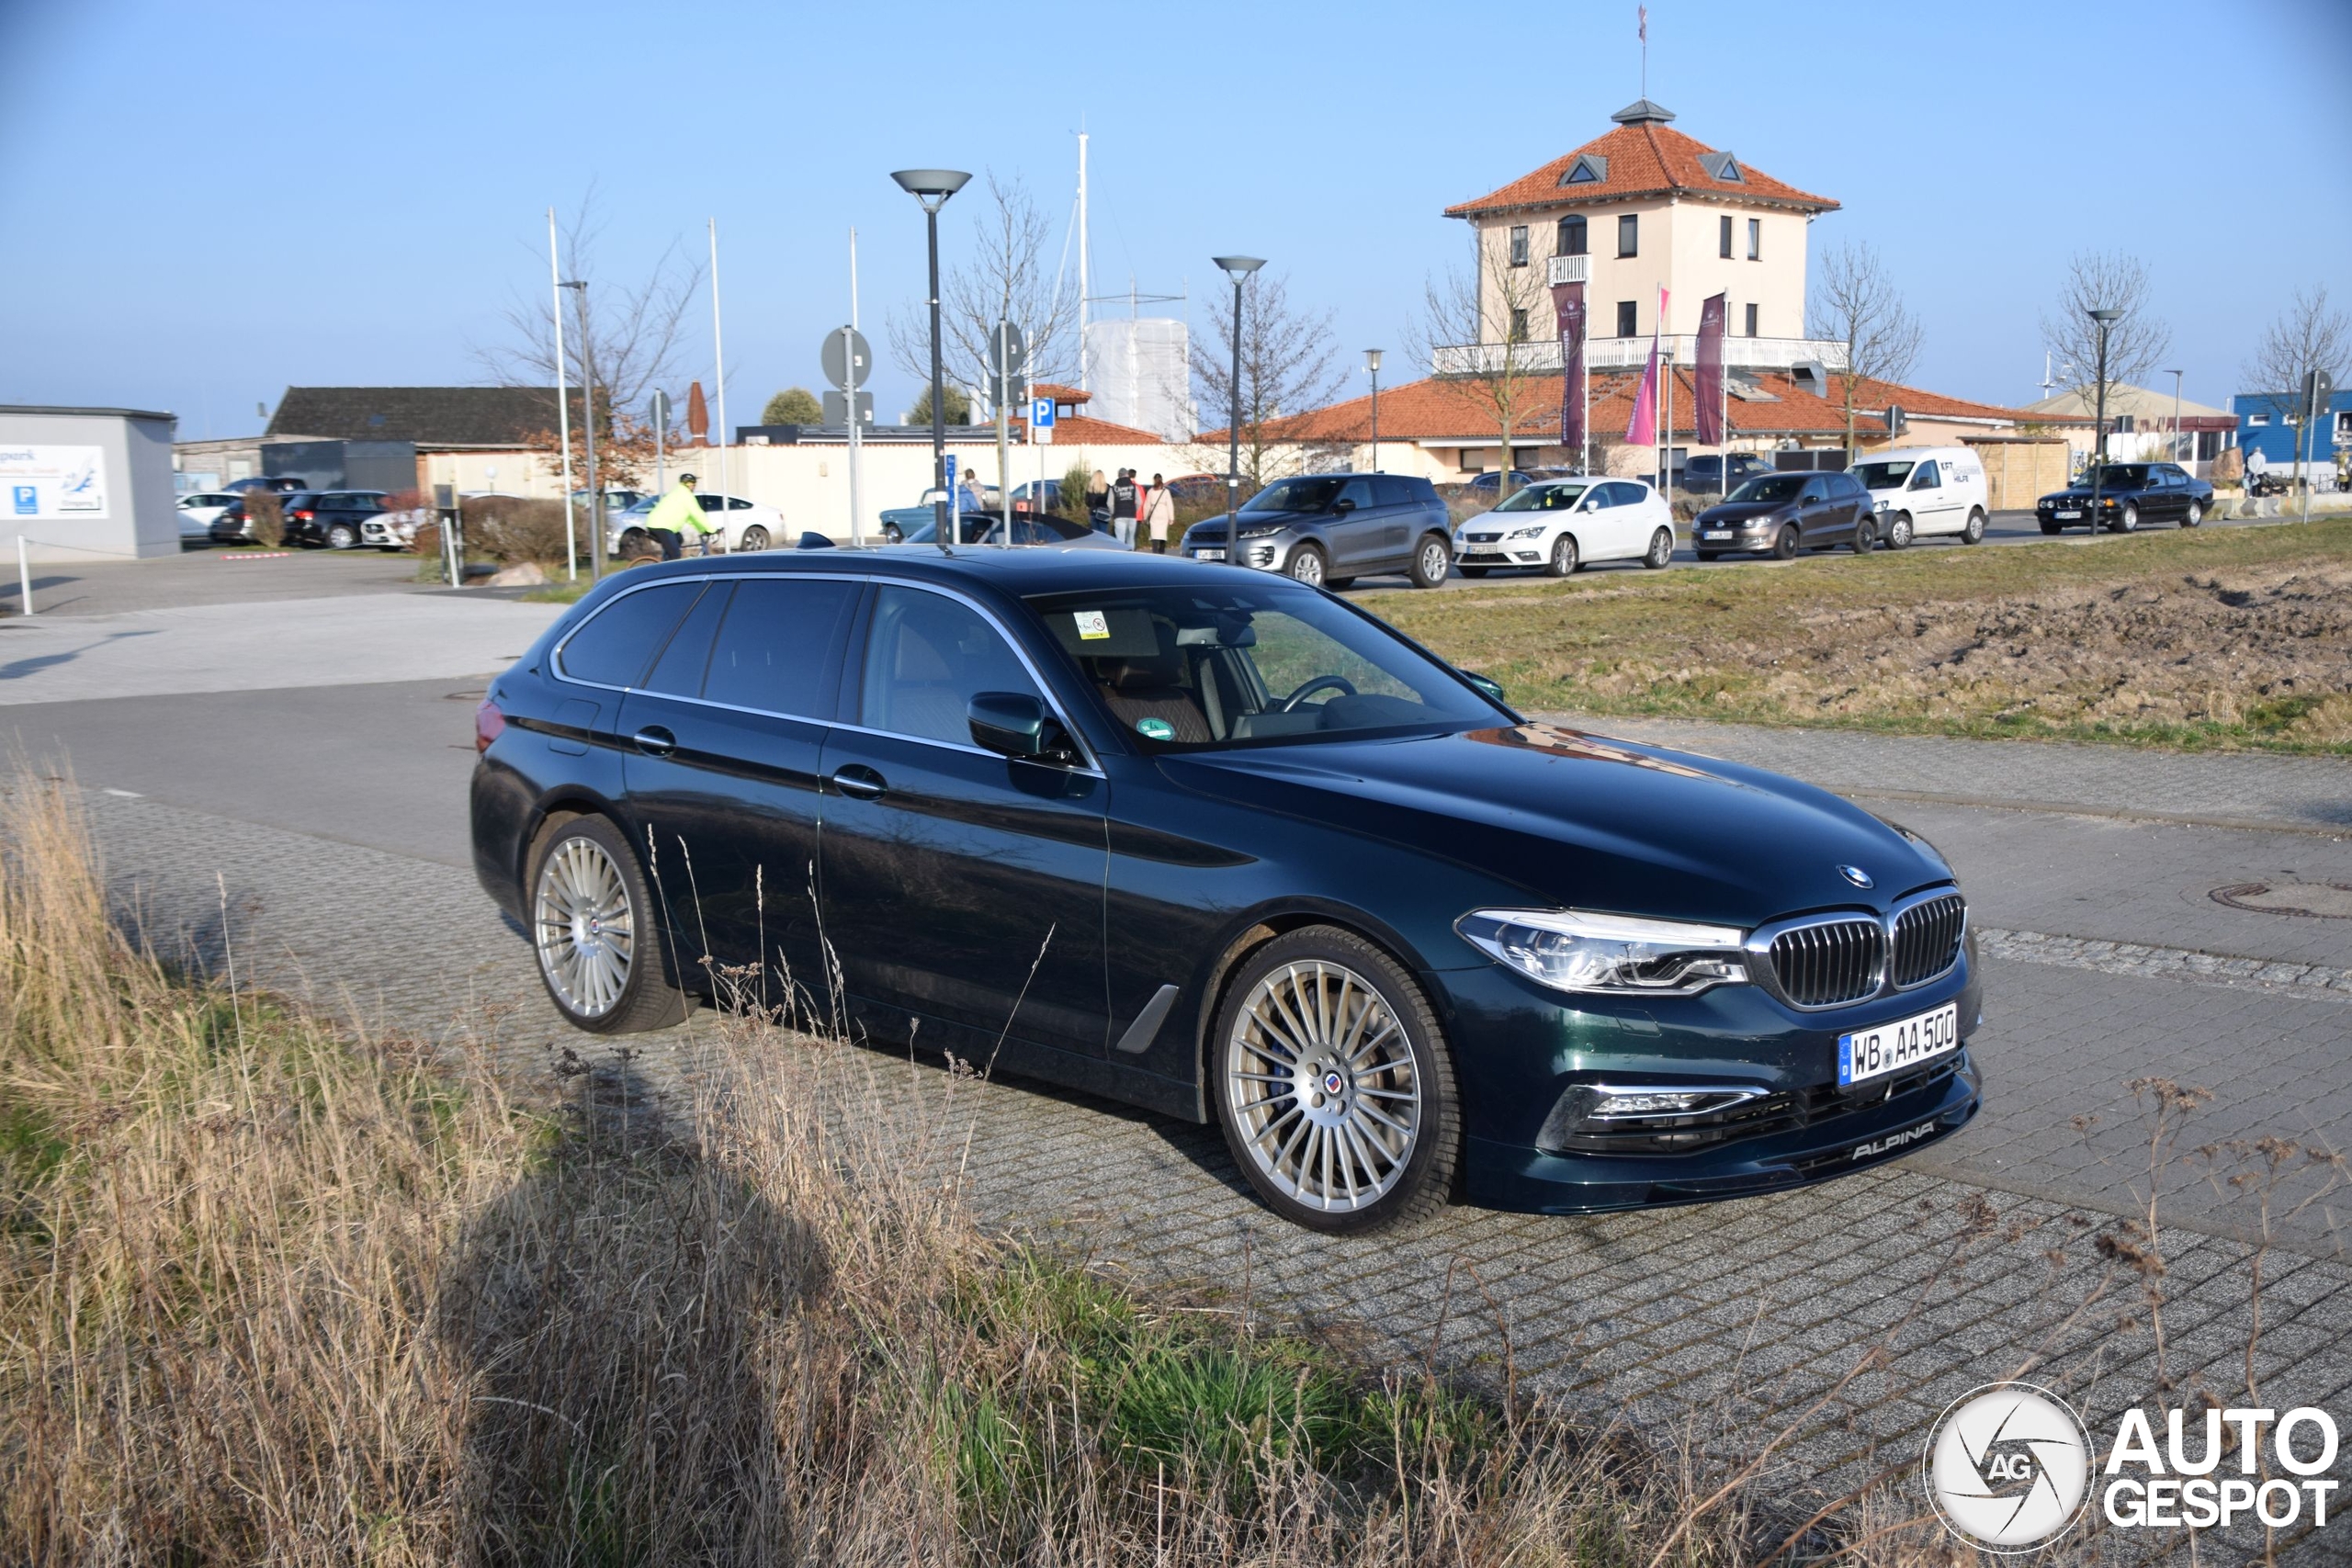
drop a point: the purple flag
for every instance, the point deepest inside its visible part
(1708, 388)
(1567, 305)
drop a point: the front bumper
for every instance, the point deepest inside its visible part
(1265, 552)
(1746, 535)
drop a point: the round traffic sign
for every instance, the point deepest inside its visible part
(846, 358)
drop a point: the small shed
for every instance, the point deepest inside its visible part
(2018, 469)
(87, 484)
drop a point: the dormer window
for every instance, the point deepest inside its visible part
(1590, 168)
(1721, 166)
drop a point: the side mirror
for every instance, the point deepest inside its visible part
(1343, 506)
(1014, 724)
(1490, 688)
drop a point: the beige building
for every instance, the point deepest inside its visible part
(1641, 208)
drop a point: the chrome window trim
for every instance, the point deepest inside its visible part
(1759, 946)
(1087, 765)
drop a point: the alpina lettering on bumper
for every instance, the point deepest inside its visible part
(1896, 1140)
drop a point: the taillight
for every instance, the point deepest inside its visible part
(304, 516)
(489, 725)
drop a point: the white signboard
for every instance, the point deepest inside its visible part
(52, 483)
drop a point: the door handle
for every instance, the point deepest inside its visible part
(860, 782)
(655, 741)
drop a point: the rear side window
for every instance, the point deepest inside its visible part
(1393, 491)
(775, 648)
(678, 672)
(621, 640)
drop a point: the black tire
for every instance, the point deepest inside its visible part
(1711, 555)
(343, 536)
(1972, 532)
(1898, 531)
(2127, 521)
(2194, 515)
(1307, 565)
(1261, 1118)
(1660, 555)
(1865, 537)
(2049, 527)
(890, 535)
(1432, 562)
(563, 879)
(1473, 571)
(1784, 543)
(1564, 559)
(754, 538)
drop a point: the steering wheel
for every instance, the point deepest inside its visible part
(1337, 682)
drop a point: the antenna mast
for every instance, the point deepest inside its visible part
(1082, 383)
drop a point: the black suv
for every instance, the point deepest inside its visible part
(331, 517)
(1329, 529)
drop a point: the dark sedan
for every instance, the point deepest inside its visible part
(1780, 515)
(1227, 848)
(2118, 496)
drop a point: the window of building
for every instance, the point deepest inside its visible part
(1723, 236)
(1518, 326)
(2257, 419)
(1755, 240)
(1519, 245)
(1626, 327)
(2344, 428)
(1629, 235)
(1571, 238)
(1751, 322)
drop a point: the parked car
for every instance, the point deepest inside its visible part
(1921, 491)
(1028, 528)
(394, 530)
(899, 521)
(1779, 515)
(1232, 851)
(1704, 475)
(1329, 529)
(280, 484)
(2118, 496)
(616, 500)
(741, 525)
(1037, 495)
(1560, 526)
(197, 511)
(1488, 484)
(334, 518)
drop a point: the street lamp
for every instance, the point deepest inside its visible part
(932, 188)
(2105, 319)
(2177, 454)
(1372, 364)
(1238, 268)
(588, 431)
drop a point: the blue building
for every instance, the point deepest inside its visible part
(2263, 426)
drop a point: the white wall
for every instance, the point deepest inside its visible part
(138, 519)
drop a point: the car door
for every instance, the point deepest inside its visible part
(1352, 529)
(722, 741)
(2175, 492)
(1929, 499)
(1634, 514)
(1399, 510)
(961, 890)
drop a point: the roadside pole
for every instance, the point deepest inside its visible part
(719, 360)
(849, 395)
(1003, 431)
(24, 575)
(563, 414)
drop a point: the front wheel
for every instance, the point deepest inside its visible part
(2128, 520)
(1974, 534)
(891, 536)
(2193, 516)
(754, 538)
(1334, 1086)
(1564, 557)
(1898, 531)
(2049, 527)
(1661, 551)
(343, 536)
(1431, 562)
(1784, 544)
(592, 928)
(1307, 565)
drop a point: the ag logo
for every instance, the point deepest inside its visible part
(2009, 1466)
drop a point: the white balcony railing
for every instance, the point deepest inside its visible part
(1633, 352)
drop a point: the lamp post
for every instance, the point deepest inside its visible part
(1372, 364)
(1238, 268)
(932, 188)
(2175, 418)
(2105, 319)
(588, 430)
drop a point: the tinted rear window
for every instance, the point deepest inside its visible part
(619, 640)
(775, 649)
(678, 672)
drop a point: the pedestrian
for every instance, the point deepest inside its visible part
(673, 515)
(1159, 513)
(967, 498)
(2256, 466)
(1098, 498)
(1124, 506)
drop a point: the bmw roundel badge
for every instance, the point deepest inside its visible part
(1855, 874)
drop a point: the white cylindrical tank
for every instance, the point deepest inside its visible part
(1140, 375)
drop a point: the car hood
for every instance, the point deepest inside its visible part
(1583, 821)
(1742, 510)
(2082, 493)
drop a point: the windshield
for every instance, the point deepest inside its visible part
(2116, 476)
(1214, 666)
(1884, 476)
(1771, 487)
(1544, 498)
(1295, 495)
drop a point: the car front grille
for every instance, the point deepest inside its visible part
(1927, 939)
(1480, 538)
(1785, 1111)
(1829, 963)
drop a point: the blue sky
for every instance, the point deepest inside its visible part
(205, 202)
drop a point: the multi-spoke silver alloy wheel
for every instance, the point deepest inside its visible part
(1321, 1083)
(585, 929)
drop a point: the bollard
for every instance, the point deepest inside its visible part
(24, 574)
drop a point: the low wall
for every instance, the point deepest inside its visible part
(2018, 468)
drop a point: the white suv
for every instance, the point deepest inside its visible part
(1558, 526)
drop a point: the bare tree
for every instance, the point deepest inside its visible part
(624, 337)
(1285, 367)
(1855, 301)
(2136, 342)
(1488, 333)
(1005, 279)
(2304, 337)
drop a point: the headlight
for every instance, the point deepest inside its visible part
(1525, 533)
(1257, 530)
(1571, 949)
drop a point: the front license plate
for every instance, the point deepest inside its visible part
(2068, 516)
(1870, 1054)
(1208, 554)
(1716, 533)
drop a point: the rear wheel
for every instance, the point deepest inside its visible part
(593, 930)
(1307, 565)
(1333, 1084)
(1784, 544)
(2193, 516)
(1431, 562)
(754, 538)
(1661, 551)
(1974, 534)
(1865, 537)
(1898, 531)
(1564, 557)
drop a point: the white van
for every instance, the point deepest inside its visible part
(1921, 490)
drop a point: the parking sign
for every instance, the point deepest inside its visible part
(1041, 412)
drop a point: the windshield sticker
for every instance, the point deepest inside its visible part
(1092, 626)
(1156, 728)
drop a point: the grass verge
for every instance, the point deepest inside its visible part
(2212, 639)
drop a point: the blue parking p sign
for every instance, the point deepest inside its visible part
(27, 500)
(1041, 412)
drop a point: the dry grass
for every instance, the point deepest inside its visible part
(2218, 638)
(270, 1293)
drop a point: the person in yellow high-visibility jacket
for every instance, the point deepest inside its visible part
(676, 515)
